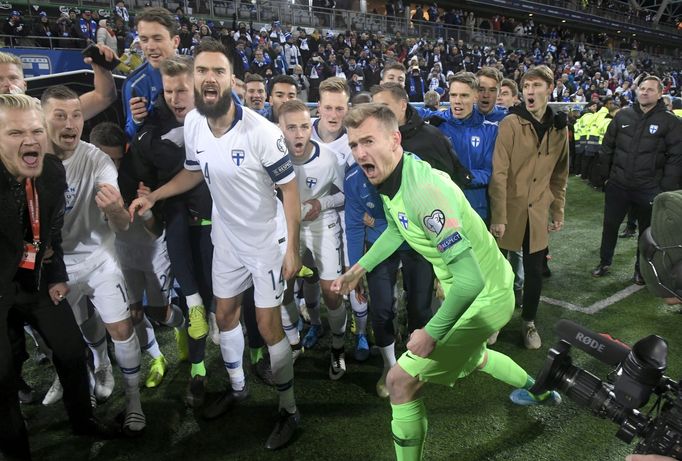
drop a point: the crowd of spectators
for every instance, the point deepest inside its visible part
(582, 70)
(458, 17)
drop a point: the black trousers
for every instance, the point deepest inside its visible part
(617, 201)
(190, 251)
(58, 328)
(533, 265)
(418, 280)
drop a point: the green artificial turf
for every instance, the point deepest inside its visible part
(344, 420)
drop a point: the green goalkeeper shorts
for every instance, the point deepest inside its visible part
(463, 347)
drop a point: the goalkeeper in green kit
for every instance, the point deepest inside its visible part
(428, 211)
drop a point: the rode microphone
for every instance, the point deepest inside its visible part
(598, 345)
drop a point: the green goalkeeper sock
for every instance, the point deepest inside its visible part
(538, 397)
(503, 368)
(409, 427)
(198, 369)
(256, 354)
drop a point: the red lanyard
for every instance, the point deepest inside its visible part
(33, 211)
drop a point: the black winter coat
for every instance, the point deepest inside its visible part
(643, 151)
(157, 154)
(50, 185)
(430, 145)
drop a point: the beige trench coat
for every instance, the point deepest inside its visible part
(528, 181)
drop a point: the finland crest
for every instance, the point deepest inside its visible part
(403, 219)
(475, 141)
(238, 156)
(653, 129)
(310, 182)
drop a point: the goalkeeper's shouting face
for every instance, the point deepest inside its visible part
(374, 139)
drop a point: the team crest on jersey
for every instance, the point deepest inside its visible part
(475, 141)
(370, 205)
(238, 156)
(435, 221)
(281, 146)
(653, 129)
(310, 182)
(403, 219)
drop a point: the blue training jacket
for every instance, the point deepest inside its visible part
(496, 115)
(361, 197)
(145, 81)
(474, 141)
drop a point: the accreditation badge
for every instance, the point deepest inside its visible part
(28, 260)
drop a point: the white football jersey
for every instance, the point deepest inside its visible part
(315, 180)
(241, 169)
(339, 146)
(86, 234)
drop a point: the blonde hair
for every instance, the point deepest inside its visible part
(292, 106)
(9, 58)
(19, 102)
(177, 65)
(334, 85)
(358, 114)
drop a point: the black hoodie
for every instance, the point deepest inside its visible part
(430, 145)
(549, 120)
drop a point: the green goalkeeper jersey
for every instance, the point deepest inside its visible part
(427, 210)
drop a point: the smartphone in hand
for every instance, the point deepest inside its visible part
(98, 58)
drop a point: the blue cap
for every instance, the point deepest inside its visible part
(15, 13)
(42, 14)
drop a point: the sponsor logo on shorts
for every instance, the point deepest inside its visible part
(449, 241)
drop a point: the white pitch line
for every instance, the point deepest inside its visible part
(599, 305)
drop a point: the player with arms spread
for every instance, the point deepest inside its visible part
(427, 210)
(242, 157)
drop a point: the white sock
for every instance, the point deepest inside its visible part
(95, 335)
(388, 354)
(128, 357)
(194, 300)
(175, 318)
(232, 350)
(337, 323)
(147, 338)
(290, 322)
(39, 341)
(311, 292)
(359, 312)
(282, 365)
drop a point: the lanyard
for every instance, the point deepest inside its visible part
(33, 211)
